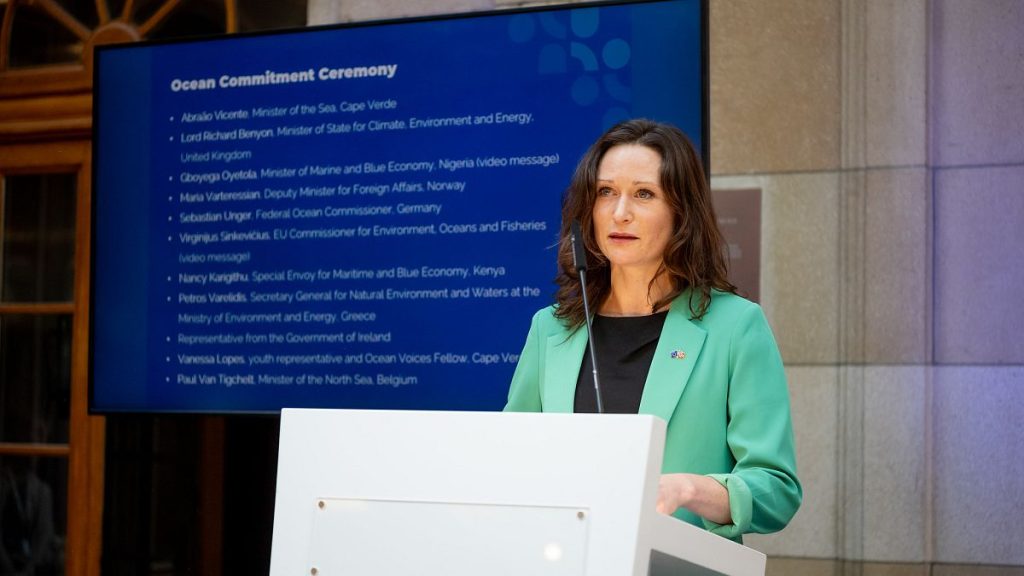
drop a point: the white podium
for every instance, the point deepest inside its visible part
(381, 493)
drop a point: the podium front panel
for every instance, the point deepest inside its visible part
(505, 467)
(358, 538)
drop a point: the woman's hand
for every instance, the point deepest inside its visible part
(701, 495)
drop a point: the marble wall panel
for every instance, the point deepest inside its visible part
(979, 464)
(895, 463)
(895, 62)
(775, 86)
(336, 11)
(519, 3)
(897, 273)
(784, 566)
(889, 569)
(781, 566)
(979, 265)
(812, 532)
(975, 570)
(977, 79)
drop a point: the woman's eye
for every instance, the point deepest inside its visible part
(604, 192)
(644, 194)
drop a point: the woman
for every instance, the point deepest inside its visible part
(672, 337)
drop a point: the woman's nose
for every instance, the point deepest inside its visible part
(623, 209)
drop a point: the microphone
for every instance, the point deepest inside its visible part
(579, 261)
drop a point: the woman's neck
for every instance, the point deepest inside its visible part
(633, 294)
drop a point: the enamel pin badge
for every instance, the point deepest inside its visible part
(679, 354)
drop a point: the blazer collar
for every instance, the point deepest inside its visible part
(665, 381)
(562, 369)
(674, 358)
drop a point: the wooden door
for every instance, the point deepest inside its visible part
(51, 450)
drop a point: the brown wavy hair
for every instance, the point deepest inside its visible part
(695, 255)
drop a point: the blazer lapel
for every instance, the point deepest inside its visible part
(564, 356)
(669, 373)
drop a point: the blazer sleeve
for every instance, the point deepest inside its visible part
(764, 492)
(524, 393)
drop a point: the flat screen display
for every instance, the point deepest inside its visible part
(360, 216)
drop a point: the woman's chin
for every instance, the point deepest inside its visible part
(633, 266)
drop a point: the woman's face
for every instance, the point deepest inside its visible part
(632, 217)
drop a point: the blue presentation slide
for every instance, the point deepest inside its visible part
(358, 217)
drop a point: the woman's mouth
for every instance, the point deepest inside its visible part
(621, 237)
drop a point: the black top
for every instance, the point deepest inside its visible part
(624, 346)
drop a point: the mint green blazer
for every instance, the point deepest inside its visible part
(723, 396)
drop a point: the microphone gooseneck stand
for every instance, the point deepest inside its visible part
(579, 260)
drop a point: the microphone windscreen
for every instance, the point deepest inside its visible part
(579, 252)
